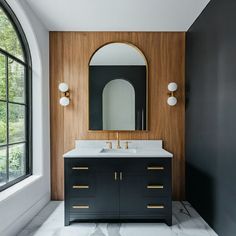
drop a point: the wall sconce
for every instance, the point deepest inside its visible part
(64, 100)
(172, 100)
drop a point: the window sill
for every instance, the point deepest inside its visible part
(18, 187)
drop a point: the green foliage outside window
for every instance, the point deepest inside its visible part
(10, 43)
(8, 38)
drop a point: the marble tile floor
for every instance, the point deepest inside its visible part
(50, 222)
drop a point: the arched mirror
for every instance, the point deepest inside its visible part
(118, 88)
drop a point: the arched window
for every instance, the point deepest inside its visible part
(15, 100)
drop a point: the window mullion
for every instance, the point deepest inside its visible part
(3, 52)
(7, 75)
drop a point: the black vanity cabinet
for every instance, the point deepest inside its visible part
(118, 189)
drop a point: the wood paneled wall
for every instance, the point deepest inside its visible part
(69, 56)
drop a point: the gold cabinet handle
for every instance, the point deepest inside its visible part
(155, 206)
(115, 175)
(80, 168)
(80, 186)
(121, 176)
(80, 207)
(155, 186)
(155, 168)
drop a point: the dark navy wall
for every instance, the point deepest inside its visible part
(211, 115)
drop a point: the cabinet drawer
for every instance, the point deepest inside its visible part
(92, 184)
(90, 205)
(82, 185)
(146, 206)
(147, 165)
(156, 185)
(135, 185)
(84, 166)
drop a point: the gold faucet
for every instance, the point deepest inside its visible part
(118, 141)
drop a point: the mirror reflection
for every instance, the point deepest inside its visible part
(117, 88)
(118, 105)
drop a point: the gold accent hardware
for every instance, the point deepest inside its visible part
(155, 186)
(121, 175)
(155, 168)
(118, 141)
(171, 94)
(109, 145)
(115, 175)
(127, 144)
(155, 206)
(67, 94)
(81, 207)
(81, 186)
(80, 168)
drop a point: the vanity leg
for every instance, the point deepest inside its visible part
(66, 215)
(67, 221)
(66, 218)
(169, 221)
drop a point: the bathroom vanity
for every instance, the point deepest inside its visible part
(103, 184)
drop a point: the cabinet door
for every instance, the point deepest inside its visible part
(92, 192)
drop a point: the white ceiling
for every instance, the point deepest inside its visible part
(118, 15)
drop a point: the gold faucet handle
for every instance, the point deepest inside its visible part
(109, 145)
(127, 144)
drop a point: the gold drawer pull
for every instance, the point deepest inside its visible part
(80, 168)
(81, 207)
(155, 186)
(155, 206)
(155, 168)
(81, 186)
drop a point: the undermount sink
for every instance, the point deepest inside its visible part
(117, 151)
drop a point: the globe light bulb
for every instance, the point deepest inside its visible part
(64, 101)
(172, 101)
(63, 87)
(172, 87)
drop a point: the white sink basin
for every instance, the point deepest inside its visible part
(118, 151)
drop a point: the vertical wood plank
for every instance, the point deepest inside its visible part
(69, 56)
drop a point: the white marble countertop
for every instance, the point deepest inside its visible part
(138, 148)
(95, 152)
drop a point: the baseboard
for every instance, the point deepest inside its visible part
(26, 217)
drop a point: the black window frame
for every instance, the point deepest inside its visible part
(27, 63)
